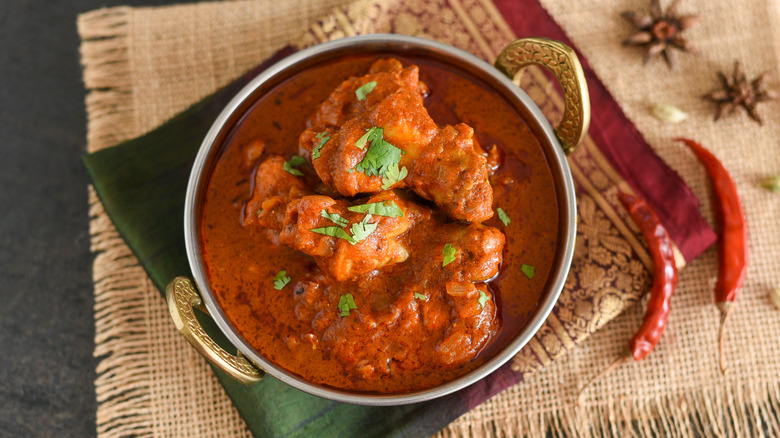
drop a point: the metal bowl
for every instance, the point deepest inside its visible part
(249, 365)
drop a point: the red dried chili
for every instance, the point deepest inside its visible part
(664, 282)
(732, 250)
(664, 275)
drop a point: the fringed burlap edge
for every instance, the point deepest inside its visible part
(120, 283)
(120, 339)
(107, 74)
(737, 410)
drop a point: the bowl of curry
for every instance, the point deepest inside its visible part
(381, 219)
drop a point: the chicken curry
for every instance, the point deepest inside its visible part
(379, 224)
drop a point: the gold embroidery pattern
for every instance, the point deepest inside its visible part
(610, 270)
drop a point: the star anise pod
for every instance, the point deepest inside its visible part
(660, 31)
(738, 91)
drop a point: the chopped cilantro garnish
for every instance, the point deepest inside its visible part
(290, 166)
(346, 303)
(335, 218)
(528, 270)
(380, 155)
(334, 232)
(363, 229)
(280, 280)
(419, 296)
(384, 208)
(449, 254)
(372, 135)
(365, 89)
(259, 211)
(503, 216)
(360, 230)
(315, 153)
(483, 298)
(393, 175)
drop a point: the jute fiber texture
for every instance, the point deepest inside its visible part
(144, 65)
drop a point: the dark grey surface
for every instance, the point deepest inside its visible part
(46, 319)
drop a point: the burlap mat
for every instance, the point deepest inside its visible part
(145, 65)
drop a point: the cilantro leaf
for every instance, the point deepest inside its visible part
(385, 208)
(346, 303)
(483, 298)
(372, 135)
(289, 169)
(419, 296)
(449, 254)
(296, 161)
(380, 155)
(315, 153)
(363, 229)
(528, 270)
(365, 89)
(280, 280)
(335, 218)
(360, 230)
(290, 166)
(393, 175)
(334, 232)
(503, 216)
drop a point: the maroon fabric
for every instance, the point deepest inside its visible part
(620, 141)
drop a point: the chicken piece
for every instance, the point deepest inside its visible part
(343, 104)
(271, 181)
(405, 124)
(386, 347)
(473, 319)
(340, 255)
(444, 165)
(478, 251)
(475, 325)
(339, 156)
(453, 173)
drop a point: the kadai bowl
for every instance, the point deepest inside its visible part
(381, 219)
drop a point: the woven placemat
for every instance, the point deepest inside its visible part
(144, 65)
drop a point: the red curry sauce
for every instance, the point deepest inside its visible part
(242, 261)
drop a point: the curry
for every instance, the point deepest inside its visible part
(380, 224)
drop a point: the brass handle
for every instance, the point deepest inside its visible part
(182, 297)
(562, 62)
